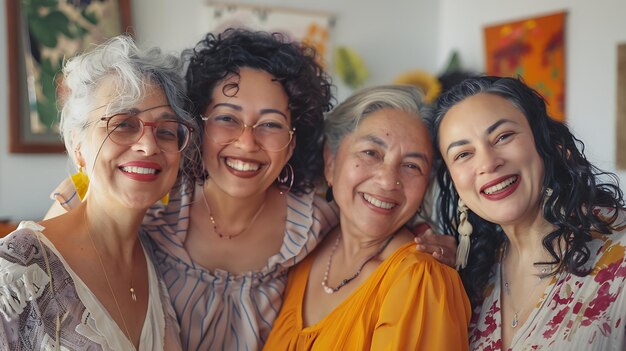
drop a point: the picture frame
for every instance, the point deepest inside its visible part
(620, 124)
(41, 35)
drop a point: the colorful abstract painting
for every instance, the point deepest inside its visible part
(533, 49)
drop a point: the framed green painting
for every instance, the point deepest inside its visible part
(41, 35)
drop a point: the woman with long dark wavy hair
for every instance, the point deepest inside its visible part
(541, 230)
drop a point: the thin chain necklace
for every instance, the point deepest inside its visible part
(331, 290)
(507, 288)
(226, 236)
(106, 277)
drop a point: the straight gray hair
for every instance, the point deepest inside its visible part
(345, 118)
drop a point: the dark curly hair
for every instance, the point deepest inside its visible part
(295, 66)
(577, 186)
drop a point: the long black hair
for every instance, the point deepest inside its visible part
(578, 187)
(294, 65)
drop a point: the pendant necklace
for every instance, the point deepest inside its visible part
(344, 282)
(106, 277)
(507, 289)
(227, 236)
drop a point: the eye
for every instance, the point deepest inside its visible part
(413, 168)
(462, 155)
(270, 126)
(225, 120)
(124, 122)
(167, 130)
(503, 137)
(371, 153)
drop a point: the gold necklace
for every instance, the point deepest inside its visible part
(106, 277)
(330, 290)
(507, 288)
(221, 235)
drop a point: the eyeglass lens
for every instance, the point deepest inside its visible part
(270, 135)
(127, 128)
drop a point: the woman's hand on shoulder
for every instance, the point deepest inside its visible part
(442, 247)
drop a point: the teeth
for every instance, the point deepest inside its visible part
(242, 166)
(493, 189)
(139, 170)
(374, 201)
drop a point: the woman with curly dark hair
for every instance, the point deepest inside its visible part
(244, 210)
(545, 266)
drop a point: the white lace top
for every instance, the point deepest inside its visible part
(30, 308)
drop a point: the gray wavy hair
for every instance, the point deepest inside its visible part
(132, 71)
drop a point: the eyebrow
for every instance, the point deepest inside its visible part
(378, 141)
(239, 108)
(168, 114)
(488, 131)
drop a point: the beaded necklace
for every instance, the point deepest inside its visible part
(344, 282)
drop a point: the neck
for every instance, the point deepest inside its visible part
(114, 231)
(354, 246)
(235, 212)
(526, 239)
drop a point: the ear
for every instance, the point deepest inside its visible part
(329, 165)
(78, 157)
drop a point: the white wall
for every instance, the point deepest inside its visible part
(392, 36)
(593, 29)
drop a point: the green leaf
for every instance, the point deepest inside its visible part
(89, 16)
(350, 67)
(41, 33)
(57, 21)
(454, 63)
(46, 103)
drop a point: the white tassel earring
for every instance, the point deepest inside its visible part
(465, 230)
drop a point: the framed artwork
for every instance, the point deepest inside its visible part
(533, 49)
(620, 147)
(41, 35)
(309, 27)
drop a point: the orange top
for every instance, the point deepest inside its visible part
(410, 302)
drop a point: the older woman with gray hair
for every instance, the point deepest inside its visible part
(85, 279)
(365, 286)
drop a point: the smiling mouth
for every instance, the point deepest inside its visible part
(139, 170)
(241, 166)
(377, 203)
(500, 186)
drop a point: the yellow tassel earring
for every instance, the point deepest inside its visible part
(81, 183)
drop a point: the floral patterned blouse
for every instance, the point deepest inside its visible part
(574, 313)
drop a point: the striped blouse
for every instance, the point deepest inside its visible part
(218, 310)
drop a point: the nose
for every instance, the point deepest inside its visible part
(389, 177)
(489, 161)
(247, 141)
(147, 143)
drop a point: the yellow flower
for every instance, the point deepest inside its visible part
(426, 82)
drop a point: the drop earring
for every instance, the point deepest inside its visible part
(465, 230)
